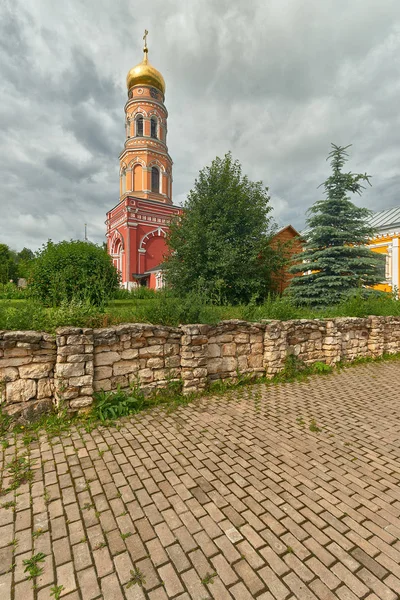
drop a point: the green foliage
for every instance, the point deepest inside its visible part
(139, 293)
(9, 291)
(121, 403)
(73, 270)
(295, 369)
(56, 591)
(32, 567)
(25, 260)
(220, 246)
(113, 405)
(137, 577)
(8, 264)
(337, 259)
(32, 315)
(14, 264)
(166, 309)
(20, 471)
(170, 310)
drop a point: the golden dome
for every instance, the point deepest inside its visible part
(145, 74)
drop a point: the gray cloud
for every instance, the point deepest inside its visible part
(273, 82)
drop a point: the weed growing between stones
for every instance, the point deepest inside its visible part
(209, 578)
(32, 567)
(122, 403)
(56, 591)
(20, 470)
(137, 577)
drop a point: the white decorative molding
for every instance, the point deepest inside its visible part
(395, 265)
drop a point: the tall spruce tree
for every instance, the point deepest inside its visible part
(336, 260)
(220, 246)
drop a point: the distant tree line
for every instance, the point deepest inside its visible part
(14, 265)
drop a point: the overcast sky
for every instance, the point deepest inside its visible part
(274, 81)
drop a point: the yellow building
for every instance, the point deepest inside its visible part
(387, 223)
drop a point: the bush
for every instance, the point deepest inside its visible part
(32, 315)
(139, 293)
(75, 270)
(23, 316)
(9, 291)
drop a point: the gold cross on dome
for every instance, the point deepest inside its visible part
(146, 33)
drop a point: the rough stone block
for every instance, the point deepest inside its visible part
(36, 371)
(21, 390)
(173, 361)
(75, 349)
(155, 363)
(70, 369)
(229, 349)
(106, 358)
(45, 388)
(229, 364)
(79, 339)
(123, 367)
(155, 351)
(8, 373)
(213, 350)
(81, 381)
(102, 373)
(81, 402)
(146, 376)
(130, 354)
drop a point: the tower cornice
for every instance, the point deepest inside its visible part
(145, 149)
(146, 101)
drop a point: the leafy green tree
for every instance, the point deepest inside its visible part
(220, 245)
(73, 270)
(25, 262)
(8, 264)
(336, 260)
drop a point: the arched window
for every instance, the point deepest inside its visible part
(139, 126)
(123, 178)
(153, 127)
(155, 179)
(137, 178)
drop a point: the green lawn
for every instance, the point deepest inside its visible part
(166, 310)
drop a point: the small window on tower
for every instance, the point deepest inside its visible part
(153, 127)
(139, 126)
(155, 180)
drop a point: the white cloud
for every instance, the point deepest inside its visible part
(274, 82)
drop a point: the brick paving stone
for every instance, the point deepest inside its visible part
(276, 511)
(110, 587)
(66, 577)
(170, 579)
(88, 584)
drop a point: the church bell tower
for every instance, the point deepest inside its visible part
(145, 165)
(137, 226)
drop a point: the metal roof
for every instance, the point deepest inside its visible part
(383, 220)
(386, 219)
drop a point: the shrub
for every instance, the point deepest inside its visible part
(74, 270)
(23, 316)
(139, 293)
(9, 291)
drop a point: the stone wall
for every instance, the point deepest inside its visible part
(38, 370)
(27, 360)
(135, 352)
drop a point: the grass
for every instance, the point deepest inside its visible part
(165, 309)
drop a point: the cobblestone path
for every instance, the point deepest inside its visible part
(238, 496)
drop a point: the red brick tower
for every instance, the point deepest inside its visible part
(138, 224)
